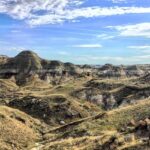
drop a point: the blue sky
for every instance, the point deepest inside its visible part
(78, 31)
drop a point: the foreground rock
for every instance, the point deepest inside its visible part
(53, 110)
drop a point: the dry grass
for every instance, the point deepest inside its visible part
(21, 131)
(17, 130)
(8, 85)
(93, 133)
(112, 121)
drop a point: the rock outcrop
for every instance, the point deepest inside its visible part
(48, 104)
(134, 70)
(52, 110)
(3, 59)
(109, 70)
(28, 63)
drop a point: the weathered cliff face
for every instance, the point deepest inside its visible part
(3, 59)
(36, 113)
(28, 63)
(51, 110)
(113, 93)
(134, 70)
(24, 62)
(145, 79)
(109, 70)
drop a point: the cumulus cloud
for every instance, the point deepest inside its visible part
(87, 12)
(141, 29)
(39, 12)
(31, 10)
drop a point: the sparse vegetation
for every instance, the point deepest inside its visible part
(71, 109)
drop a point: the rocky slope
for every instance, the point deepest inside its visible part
(51, 105)
(28, 63)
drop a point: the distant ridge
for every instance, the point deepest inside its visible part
(28, 63)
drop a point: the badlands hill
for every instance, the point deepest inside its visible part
(51, 105)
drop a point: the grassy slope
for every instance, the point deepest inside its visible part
(105, 127)
(17, 129)
(86, 134)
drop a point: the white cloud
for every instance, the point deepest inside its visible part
(39, 12)
(141, 29)
(15, 31)
(18, 49)
(88, 46)
(142, 57)
(114, 59)
(119, 1)
(105, 36)
(100, 58)
(143, 47)
(15, 49)
(30, 10)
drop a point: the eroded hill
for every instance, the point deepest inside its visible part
(46, 105)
